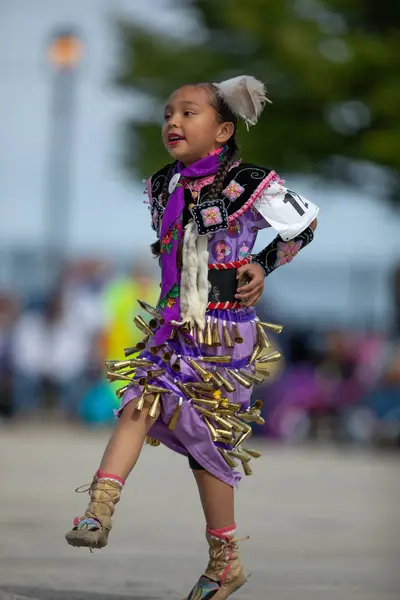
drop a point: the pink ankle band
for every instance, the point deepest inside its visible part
(103, 475)
(221, 533)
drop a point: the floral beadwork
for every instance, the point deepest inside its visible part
(235, 229)
(211, 216)
(287, 251)
(221, 251)
(169, 238)
(170, 297)
(244, 250)
(233, 190)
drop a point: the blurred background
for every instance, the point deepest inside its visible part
(82, 90)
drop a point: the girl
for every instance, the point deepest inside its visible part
(203, 347)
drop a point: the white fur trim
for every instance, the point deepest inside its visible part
(194, 277)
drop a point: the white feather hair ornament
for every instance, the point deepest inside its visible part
(245, 96)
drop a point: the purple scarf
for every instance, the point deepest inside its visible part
(171, 236)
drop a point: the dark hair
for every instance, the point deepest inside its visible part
(225, 115)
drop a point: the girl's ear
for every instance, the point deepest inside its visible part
(225, 132)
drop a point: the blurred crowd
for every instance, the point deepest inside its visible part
(338, 383)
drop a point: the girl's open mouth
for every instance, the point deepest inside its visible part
(174, 139)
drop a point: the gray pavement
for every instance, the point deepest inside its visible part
(323, 523)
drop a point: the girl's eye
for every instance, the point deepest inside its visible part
(167, 116)
(188, 113)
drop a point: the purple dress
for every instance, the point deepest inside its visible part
(213, 438)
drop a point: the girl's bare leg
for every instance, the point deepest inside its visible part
(217, 499)
(126, 442)
(120, 456)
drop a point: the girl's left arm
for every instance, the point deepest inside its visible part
(295, 218)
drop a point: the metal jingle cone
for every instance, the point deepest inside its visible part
(229, 387)
(205, 412)
(225, 412)
(216, 377)
(151, 310)
(256, 351)
(111, 376)
(156, 389)
(186, 391)
(156, 373)
(243, 437)
(139, 346)
(248, 417)
(210, 403)
(262, 372)
(201, 385)
(246, 383)
(200, 337)
(211, 429)
(258, 404)
(235, 406)
(216, 338)
(152, 441)
(177, 365)
(140, 403)
(246, 468)
(142, 325)
(141, 362)
(153, 324)
(253, 453)
(121, 391)
(156, 349)
(228, 459)
(237, 425)
(239, 454)
(226, 335)
(154, 409)
(110, 364)
(175, 415)
(214, 380)
(208, 333)
(217, 359)
(272, 326)
(167, 356)
(205, 394)
(224, 435)
(262, 338)
(236, 334)
(252, 377)
(173, 334)
(271, 357)
(223, 422)
(205, 375)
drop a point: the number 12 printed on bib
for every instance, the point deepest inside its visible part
(286, 211)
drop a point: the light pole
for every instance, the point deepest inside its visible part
(64, 54)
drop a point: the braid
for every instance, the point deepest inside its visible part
(156, 246)
(223, 169)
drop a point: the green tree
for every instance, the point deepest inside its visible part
(331, 68)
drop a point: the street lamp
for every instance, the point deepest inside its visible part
(64, 53)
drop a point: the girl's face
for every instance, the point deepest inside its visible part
(191, 127)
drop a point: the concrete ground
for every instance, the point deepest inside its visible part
(323, 523)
